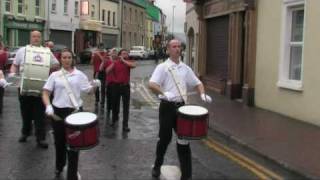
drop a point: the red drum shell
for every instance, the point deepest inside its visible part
(82, 137)
(192, 127)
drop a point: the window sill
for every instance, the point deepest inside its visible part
(290, 84)
(8, 13)
(21, 16)
(65, 14)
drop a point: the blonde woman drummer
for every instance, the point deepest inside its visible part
(164, 84)
(62, 105)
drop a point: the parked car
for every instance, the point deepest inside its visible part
(138, 52)
(151, 54)
(85, 55)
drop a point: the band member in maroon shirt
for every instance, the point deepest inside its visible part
(3, 59)
(109, 80)
(96, 59)
(120, 69)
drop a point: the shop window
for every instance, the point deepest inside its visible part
(291, 63)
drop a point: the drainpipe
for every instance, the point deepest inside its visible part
(121, 19)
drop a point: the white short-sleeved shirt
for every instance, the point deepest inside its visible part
(78, 82)
(164, 79)
(20, 58)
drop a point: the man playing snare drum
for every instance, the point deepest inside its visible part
(171, 87)
(31, 105)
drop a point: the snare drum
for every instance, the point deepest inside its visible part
(82, 131)
(192, 122)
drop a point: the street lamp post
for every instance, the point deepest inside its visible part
(173, 19)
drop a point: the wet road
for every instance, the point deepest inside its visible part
(119, 155)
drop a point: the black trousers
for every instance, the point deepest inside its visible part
(1, 99)
(167, 123)
(110, 88)
(62, 152)
(32, 108)
(100, 97)
(121, 91)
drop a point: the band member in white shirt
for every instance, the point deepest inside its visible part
(62, 105)
(31, 106)
(165, 86)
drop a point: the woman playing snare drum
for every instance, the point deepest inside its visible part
(60, 83)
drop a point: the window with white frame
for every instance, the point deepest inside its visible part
(65, 7)
(291, 66)
(109, 18)
(92, 10)
(76, 8)
(114, 18)
(103, 15)
(37, 7)
(20, 6)
(8, 5)
(54, 6)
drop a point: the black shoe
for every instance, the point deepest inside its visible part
(155, 172)
(126, 129)
(42, 144)
(23, 138)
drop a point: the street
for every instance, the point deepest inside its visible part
(119, 155)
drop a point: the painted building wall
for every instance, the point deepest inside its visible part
(192, 25)
(58, 20)
(17, 25)
(133, 27)
(303, 104)
(110, 30)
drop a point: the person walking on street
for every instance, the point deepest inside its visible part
(163, 83)
(4, 55)
(109, 80)
(62, 106)
(120, 68)
(96, 59)
(31, 105)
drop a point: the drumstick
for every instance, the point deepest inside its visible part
(56, 117)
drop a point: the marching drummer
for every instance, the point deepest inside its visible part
(31, 106)
(66, 85)
(170, 81)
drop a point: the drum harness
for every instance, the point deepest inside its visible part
(177, 82)
(70, 94)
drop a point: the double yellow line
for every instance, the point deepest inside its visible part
(260, 171)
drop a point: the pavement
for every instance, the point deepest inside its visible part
(286, 141)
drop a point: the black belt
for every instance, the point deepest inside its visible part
(172, 102)
(120, 84)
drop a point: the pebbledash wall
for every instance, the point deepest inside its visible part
(274, 91)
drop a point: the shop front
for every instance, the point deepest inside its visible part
(17, 32)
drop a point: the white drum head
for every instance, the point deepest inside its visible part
(193, 110)
(81, 118)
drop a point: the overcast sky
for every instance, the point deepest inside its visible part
(179, 13)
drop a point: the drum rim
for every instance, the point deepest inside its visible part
(84, 148)
(81, 126)
(191, 114)
(66, 122)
